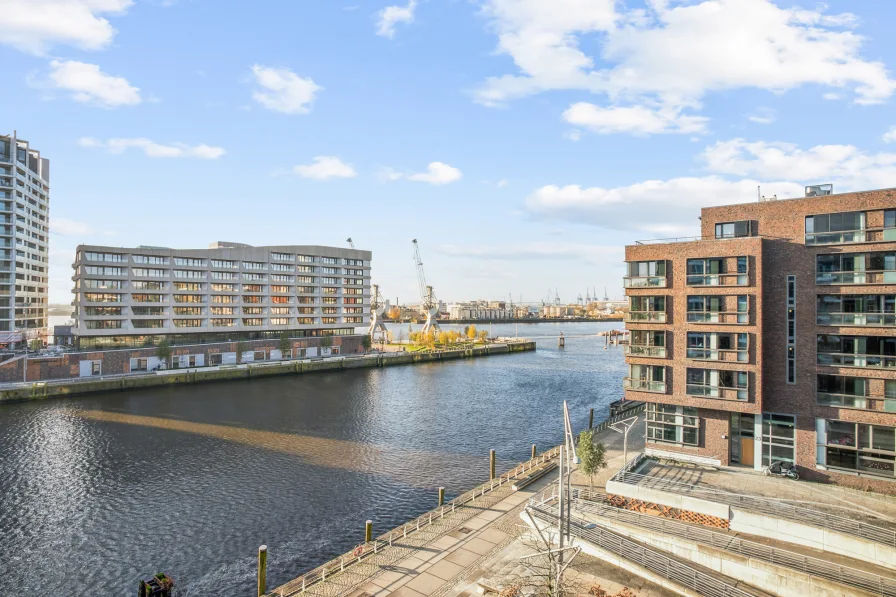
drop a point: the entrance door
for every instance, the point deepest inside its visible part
(746, 451)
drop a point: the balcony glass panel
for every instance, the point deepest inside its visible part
(725, 385)
(856, 351)
(856, 268)
(645, 274)
(647, 343)
(830, 229)
(716, 309)
(646, 378)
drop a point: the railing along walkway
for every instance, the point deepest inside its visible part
(349, 571)
(771, 506)
(655, 560)
(595, 502)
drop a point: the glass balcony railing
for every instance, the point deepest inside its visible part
(877, 403)
(644, 281)
(868, 361)
(862, 277)
(644, 385)
(870, 235)
(718, 354)
(646, 316)
(720, 392)
(722, 317)
(718, 279)
(860, 319)
(638, 350)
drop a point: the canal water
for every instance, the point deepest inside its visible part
(96, 492)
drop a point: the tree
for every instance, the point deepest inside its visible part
(285, 344)
(326, 342)
(483, 335)
(240, 349)
(543, 566)
(592, 457)
(366, 342)
(163, 351)
(470, 331)
(36, 344)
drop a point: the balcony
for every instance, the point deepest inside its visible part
(644, 385)
(643, 350)
(645, 274)
(646, 316)
(874, 403)
(718, 354)
(719, 317)
(644, 281)
(864, 361)
(868, 235)
(738, 394)
(737, 279)
(855, 277)
(857, 319)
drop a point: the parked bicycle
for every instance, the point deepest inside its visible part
(779, 468)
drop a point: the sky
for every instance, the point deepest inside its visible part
(522, 142)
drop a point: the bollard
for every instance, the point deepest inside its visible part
(262, 570)
(441, 496)
(491, 466)
(533, 450)
(368, 531)
(591, 419)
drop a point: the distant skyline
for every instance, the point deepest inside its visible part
(522, 142)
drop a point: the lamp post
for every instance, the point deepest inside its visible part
(626, 425)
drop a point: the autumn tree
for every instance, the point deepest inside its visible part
(471, 332)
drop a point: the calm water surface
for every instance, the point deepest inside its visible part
(98, 491)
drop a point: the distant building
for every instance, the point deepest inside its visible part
(63, 335)
(230, 291)
(24, 230)
(480, 310)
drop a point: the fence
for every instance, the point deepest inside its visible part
(367, 550)
(652, 559)
(621, 416)
(769, 506)
(597, 503)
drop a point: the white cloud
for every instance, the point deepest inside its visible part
(502, 183)
(437, 173)
(324, 168)
(67, 227)
(392, 15)
(763, 115)
(890, 135)
(640, 120)
(90, 85)
(535, 251)
(155, 150)
(284, 91)
(36, 25)
(673, 56)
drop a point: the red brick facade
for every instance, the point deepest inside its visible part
(776, 250)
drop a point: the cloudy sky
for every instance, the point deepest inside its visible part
(523, 142)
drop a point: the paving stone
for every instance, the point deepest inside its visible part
(479, 546)
(492, 535)
(463, 557)
(426, 583)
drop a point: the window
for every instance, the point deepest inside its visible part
(188, 310)
(718, 309)
(714, 272)
(305, 320)
(734, 229)
(710, 383)
(253, 321)
(148, 285)
(305, 279)
(223, 299)
(254, 277)
(330, 290)
(224, 288)
(254, 265)
(352, 319)
(876, 352)
(353, 309)
(142, 272)
(890, 218)
(330, 260)
(852, 392)
(713, 346)
(327, 320)
(253, 310)
(828, 229)
(305, 289)
(281, 300)
(329, 270)
(253, 288)
(304, 258)
(188, 286)
(94, 270)
(645, 273)
(326, 280)
(280, 321)
(858, 447)
(354, 272)
(101, 297)
(225, 276)
(281, 257)
(222, 323)
(330, 310)
(352, 281)
(281, 267)
(102, 284)
(646, 378)
(109, 257)
(791, 329)
(139, 364)
(353, 291)
(306, 310)
(778, 438)
(149, 260)
(356, 262)
(348, 301)
(189, 262)
(222, 264)
(188, 323)
(148, 311)
(672, 424)
(856, 309)
(102, 311)
(189, 298)
(104, 324)
(280, 310)
(222, 310)
(252, 299)
(305, 300)
(147, 323)
(305, 269)
(188, 273)
(281, 278)
(878, 267)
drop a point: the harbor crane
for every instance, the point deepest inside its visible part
(429, 303)
(377, 330)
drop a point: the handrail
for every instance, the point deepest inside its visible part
(655, 560)
(771, 506)
(687, 239)
(598, 503)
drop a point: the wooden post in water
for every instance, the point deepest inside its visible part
(368, 531)
(491, 463)
(262, 570)
(591, 419)
(441, 495)
(533, 450)
(562, 341)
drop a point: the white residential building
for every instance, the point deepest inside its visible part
(24, 253)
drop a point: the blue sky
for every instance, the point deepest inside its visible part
(522, 142)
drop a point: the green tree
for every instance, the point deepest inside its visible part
(240, 349)
(326, 342)
(366, 342)
(285, 344)
(592, 457)
(163, 351)
(36, 344)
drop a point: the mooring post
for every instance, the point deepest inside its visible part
(262, 570)
(562, 341)
(491, 466)
(368, 531)
(533, 450)
(442, 497)
(591, 419)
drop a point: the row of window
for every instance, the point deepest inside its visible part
(704, 383)
(180, 311)
(114, 324)
(222, 263)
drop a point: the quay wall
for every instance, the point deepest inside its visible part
(61, 388)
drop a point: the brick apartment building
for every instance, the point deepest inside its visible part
(772, 337)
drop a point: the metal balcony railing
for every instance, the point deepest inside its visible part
(868, 235)
(735, 279)
(720, 317)
(877, 403)
(718, 354)
(646, 316)
(855, 277)
(721, 392)
(639, 350)
(866, 361)
(857, 319)
(644, 385)
(644, 281)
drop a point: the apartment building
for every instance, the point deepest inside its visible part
(133, 297)
(24, 229)
(772, 336)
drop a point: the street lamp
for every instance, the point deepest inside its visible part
(626, 425)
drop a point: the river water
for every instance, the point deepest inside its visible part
(96, 492)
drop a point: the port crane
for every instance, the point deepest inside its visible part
(429, 303)
(377, 330)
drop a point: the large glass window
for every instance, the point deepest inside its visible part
(827, 229)
(711, 383)
(673, 424)
(856, 268)
(647, 308)
(856, 351)
(856, 309)
(646, 378)
(867, 449)
(734, 229)
(645, 273)
(778, 438)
